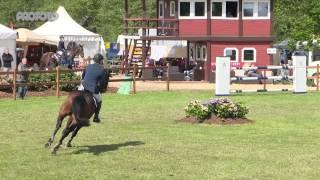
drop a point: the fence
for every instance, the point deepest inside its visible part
(14, 85)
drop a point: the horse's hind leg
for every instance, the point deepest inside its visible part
(65, 133)
(58, 126)
(74, 133)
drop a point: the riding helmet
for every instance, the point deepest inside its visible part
(61, 37)
(98, 58)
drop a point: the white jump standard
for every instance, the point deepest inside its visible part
(223, 76)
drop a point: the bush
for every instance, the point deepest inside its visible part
(196, 109)
(34, 78)
(220, 107)
(225, 108)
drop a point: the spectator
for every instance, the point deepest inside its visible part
(35, 67)
(23, 77)
(7, 59)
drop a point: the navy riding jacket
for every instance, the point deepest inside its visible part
(94, 78)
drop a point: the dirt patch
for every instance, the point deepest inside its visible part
(216, 120)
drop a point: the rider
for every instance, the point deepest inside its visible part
(93, 80)
(62, 50)
(61, 46)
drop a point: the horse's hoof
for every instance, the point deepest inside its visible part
(69, 145)
(47, 145)
(54, 152)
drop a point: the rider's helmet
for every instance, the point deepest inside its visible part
(98, 58)
(61, 37)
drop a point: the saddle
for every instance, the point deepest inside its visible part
(87, 98)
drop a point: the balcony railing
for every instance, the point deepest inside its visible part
(164, 27)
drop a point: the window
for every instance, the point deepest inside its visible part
(198, 52)
(217, 9)
(249, 54)
(258, 9)
(184, 8)
(199, 8)
(192, 9)
(191, 52)
(248, 9)
(172, 8)
(204, 53)
(231, 9)
(263, 9)
(161, 8)
(233, 53)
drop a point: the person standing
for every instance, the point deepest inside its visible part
(7, 59)
(23, 77)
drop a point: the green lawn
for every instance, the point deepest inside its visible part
(139, 139)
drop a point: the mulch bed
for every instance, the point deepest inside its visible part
(216, 120)
(49, 92)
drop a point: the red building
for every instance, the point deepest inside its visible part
(240, 28)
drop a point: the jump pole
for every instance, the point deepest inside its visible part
(223, 77)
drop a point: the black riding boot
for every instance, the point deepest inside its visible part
(96, 118)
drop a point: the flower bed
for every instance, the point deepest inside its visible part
(216, 111)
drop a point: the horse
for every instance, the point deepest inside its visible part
(51, 60)
(79, 106)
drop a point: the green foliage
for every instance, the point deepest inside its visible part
(106, 15)
(35, 78)
(220, 107)
(296, 20)
(196, 109)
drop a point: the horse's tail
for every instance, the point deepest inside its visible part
(76, 110)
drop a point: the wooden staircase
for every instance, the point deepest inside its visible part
(134, 56)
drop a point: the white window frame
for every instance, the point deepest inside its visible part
(232, 48)
(192, 9)
(256, 8)
(159, 9)
(254, 54)
(172, 8)
(224, 10)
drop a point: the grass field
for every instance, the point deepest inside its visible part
(139, 139)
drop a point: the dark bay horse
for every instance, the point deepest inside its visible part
(79, 106)
(50, 60)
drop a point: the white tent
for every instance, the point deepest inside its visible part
(72, 31)
(8, 40)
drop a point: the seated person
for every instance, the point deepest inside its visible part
(253, 72)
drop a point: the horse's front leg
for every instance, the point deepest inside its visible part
(74, 133)
(58, 126)
(65, 133)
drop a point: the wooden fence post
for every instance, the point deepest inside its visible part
(317, 77)
(264, 80)
(58, 82)
(168, 77)
(15, 84)
(134, 78)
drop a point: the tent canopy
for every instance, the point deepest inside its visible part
(72, 31)
(7, 33)
(28, 36)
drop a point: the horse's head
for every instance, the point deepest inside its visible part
(75, 49)
(107, 75)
